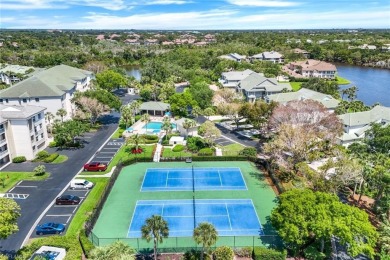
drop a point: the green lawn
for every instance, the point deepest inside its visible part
(167, 152)
(342, 81)
(11, 178)
(231, 149)
(118, 133)
(60, 159)
(296, 85)
(87, 206)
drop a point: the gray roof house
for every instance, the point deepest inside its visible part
(272, 56)
(154, 108)
(230, 79)
(356, 124)
(234, 56)
(327, 100)
(257, 86)
(52, 88)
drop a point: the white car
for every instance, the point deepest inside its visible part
(80, 184)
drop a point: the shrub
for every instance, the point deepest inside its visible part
(223, 253)
(195, 255)
(19, 159)
(195, 143)
(248, 151)
(42, 155)
(51, 158)
(206, 152)
(120, 132)
(150, 137)
(244, 252)
(134, 150)
(85, 243)
(178, 148)
(52, 144)
(40, 170)
(137, 117)
(270, 254)
(311, 253)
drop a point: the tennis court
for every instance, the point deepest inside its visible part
(186, 179)
(184, 215)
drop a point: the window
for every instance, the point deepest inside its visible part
(33, 148)
(39, 116)
(41, 135)
(40, 126)
(6, 100)
(1, 100)
(36, 138)
(32, 138)
(36, 99)
(24, 100)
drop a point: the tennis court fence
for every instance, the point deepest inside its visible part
(182, 244)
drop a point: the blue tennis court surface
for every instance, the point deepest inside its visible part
(229, 217)
(182, 179)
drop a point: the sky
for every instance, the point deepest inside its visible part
(194, 14)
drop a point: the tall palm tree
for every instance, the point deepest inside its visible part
(155, 228)
(188, 123)
(49, 116)
(115, 251)
(196, 111)
(61, 112)
(146, 119)
(126, 115)
(134, 106)
(166, 126)
(134, 139)
(205, 234)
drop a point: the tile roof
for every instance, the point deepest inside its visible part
(315, 65)
(52, 82)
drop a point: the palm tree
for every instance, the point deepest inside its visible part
(134, 106)
(188, 123)
(146, 119)
(49, 116)
(126, 115)
(205, 234)
(134, 139)
(155, 228)
(166, 126)
(115, 251)
(196, 111)
(61, 112)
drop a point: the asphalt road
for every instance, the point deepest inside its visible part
(42, 193)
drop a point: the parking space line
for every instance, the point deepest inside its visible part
(111, 148)
(11, 189)
(107, 152)
(103, 157)
(74, 210)
(19, 183)
(22, 186)
(68, 219)
(64, 215)
(64, 206)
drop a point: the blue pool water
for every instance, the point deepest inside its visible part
(155, 127)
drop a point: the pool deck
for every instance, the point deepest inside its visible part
(138, 127)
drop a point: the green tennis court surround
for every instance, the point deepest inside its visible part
(120, 209)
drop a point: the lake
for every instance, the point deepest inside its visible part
(133, 71)
(373, 83)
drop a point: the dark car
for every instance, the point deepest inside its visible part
(67, 200)
(95, 166)
(50, 228)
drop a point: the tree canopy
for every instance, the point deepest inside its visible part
(9, 214)
(303, 217)
(110, 80)
(202, 94)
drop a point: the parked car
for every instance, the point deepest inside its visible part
(95, 166)
(50, 228)
(68, 200)
(81, 184)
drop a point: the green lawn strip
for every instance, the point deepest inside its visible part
(60, 159)
(11, 178)
(231, 149)
(87, 206)
(167, 152)
(342, 81)
(296, 85)
(118, 133)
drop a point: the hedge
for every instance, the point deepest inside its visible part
(86, 244)
(223, 253)
(178, 148)
(52, 144)
(42, 154)
(51, 158)
(261, 253)
(206, 152)
(150, 137)
(19, 159)
(248, 151)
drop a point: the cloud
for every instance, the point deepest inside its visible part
(113, 5)
(259, 3)
(167, 2)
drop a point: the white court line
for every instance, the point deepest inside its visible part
(166, 181)
(220, 180)
(227, 211)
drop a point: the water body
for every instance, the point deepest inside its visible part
(133, 71)
(373, 83)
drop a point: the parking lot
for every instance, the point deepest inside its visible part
(223, 141)
(63, 213)
(108, 151)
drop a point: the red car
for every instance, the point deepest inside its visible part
(95, 166)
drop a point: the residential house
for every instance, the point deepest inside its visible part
(256, 86)
(100, 37)
(202, 43)
(12, 74)
(22, 132)
(52, 88)
(304, 53)
(149, 42)
(114, 36)
(154, 108)
(232, 78)
(271, 56)
(184, 132)
(327, 100)
(234, 56)
(357, 124)
(167, 43)
(311, 69)
(210, 38)
(132, 42)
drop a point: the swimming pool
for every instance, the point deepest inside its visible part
(155, 127)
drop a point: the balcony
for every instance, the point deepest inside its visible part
(3, 141)
(2, 130)
(3, 153)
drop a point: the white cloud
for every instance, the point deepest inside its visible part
(266, 3)
(166, 2)
(113, 5)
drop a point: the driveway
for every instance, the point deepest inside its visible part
(42, 193)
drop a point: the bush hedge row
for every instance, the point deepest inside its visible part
(261, 253)
(178, 148)
(19, 159)
(51, 158)
(206, 152)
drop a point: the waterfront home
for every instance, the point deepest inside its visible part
(311, 69)
(22, 132)
(232, 78)
(234, 56)
(272, 56)
(304, 53)
(256, 86)
(327, 100)
(52, 88)
(357, 124)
